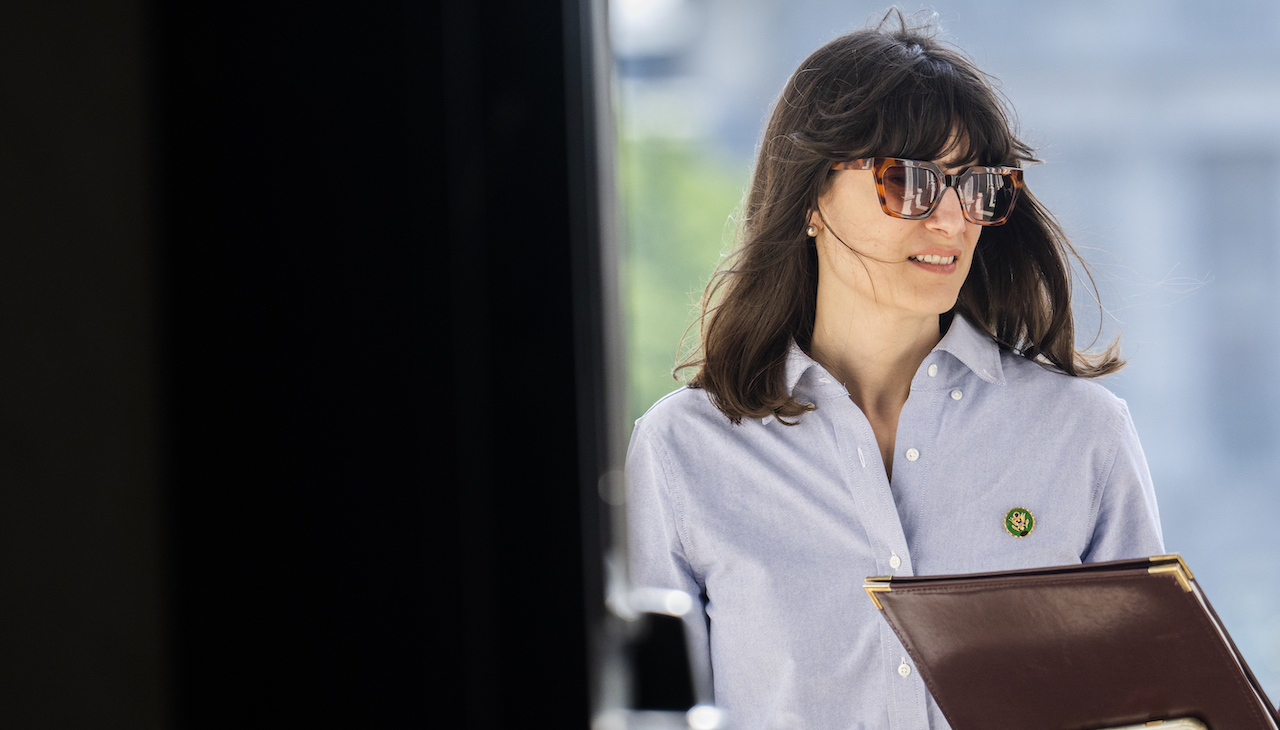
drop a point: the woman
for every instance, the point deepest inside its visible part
(887, 384)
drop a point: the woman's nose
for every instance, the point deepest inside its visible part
(948, 218)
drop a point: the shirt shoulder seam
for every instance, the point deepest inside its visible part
(1116, 429)
(676, 494)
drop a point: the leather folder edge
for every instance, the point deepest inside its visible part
(1177, 557)
(877, 584)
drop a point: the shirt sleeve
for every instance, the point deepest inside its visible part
(1128, 522)
(656, 551)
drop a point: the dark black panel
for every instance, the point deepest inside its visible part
(80, 591)
(368, 272)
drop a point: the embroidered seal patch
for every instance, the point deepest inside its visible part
(1019, 522)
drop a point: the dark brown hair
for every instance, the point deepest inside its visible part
(882, 92)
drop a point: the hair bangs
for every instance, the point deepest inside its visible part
(938, 112)
(984, 129)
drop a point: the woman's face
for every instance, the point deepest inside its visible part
(898, 267)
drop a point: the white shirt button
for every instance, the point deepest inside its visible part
(956, 395)
(895, 562)
(912, 454)
(933, 370)
(903, 669)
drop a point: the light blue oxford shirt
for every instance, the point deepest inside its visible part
(777, 526)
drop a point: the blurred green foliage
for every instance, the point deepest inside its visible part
(679, 199)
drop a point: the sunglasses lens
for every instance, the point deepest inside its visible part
(909, 191)
(987, 196)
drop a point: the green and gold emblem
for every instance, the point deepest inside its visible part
(1019, 522)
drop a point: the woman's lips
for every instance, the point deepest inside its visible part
(933, 259)
(934, 263)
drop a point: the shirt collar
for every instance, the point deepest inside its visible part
(798, 363)
(966, 343)
(974, 348)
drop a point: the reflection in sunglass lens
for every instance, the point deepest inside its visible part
(909, 190)
(986, 196)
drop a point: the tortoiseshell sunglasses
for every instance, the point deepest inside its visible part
(912, 189)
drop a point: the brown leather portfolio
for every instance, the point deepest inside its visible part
(1077, 647)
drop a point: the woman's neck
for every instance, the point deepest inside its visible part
(874, 356)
